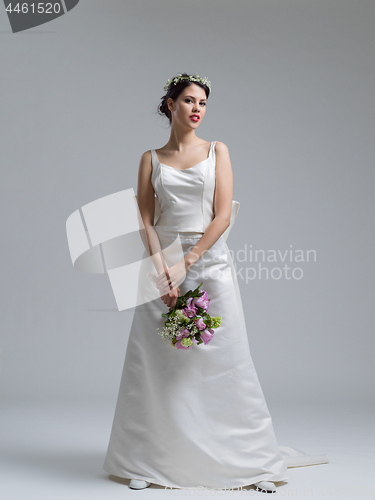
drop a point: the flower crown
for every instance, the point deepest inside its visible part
(193, 78)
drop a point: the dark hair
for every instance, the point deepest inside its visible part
(174, 91)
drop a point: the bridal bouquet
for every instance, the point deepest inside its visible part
(188, 323)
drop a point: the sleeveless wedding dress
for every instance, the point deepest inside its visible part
(196, 417)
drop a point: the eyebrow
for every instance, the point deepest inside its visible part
(204, 99)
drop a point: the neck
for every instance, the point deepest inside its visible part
(180, 139)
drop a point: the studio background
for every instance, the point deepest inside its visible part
(292, 98)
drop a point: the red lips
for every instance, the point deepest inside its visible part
(195, 117)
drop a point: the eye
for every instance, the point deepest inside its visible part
(190, 100)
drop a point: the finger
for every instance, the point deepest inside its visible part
(164, 291)
(162, 286)
(164, 274)
(160, 280)
(168, 278)
(161, 277)
(163, 282)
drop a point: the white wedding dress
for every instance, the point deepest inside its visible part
(195, 417)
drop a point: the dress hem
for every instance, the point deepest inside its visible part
(261, 477)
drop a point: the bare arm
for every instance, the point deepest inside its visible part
(146, 204)
(222, 206)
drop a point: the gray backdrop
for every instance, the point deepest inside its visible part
(292, 97)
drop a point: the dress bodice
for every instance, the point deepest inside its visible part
(185, 196)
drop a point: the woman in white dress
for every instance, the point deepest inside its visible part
(197, 417)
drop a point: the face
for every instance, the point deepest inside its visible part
(190, 106)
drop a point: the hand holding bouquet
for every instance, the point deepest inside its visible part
(189, 323)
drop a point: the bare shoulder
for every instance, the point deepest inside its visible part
(146, 157)
(145, 189)
(223, 163)
(222, 152)
(221, 148)
(145, 163)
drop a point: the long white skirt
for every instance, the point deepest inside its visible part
(196, 417)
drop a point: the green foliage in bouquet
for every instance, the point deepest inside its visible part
(189, 323)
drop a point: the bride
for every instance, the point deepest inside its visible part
(193, 417)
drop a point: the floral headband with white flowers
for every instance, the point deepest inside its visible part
(194, 78)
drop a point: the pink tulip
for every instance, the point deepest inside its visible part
(202, 301)
(206, 335)
(190, 310)
(200, 324)
(183, 333)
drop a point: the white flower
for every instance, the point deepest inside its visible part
(193, 78)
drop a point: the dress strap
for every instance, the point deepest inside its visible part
(154, 159)
(212, 153)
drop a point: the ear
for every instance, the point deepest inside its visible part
(170, 104)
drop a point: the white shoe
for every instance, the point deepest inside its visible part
(138, 484)
(265, 487)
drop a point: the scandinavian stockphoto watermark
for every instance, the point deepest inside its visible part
(271, 264)
(250, 264)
